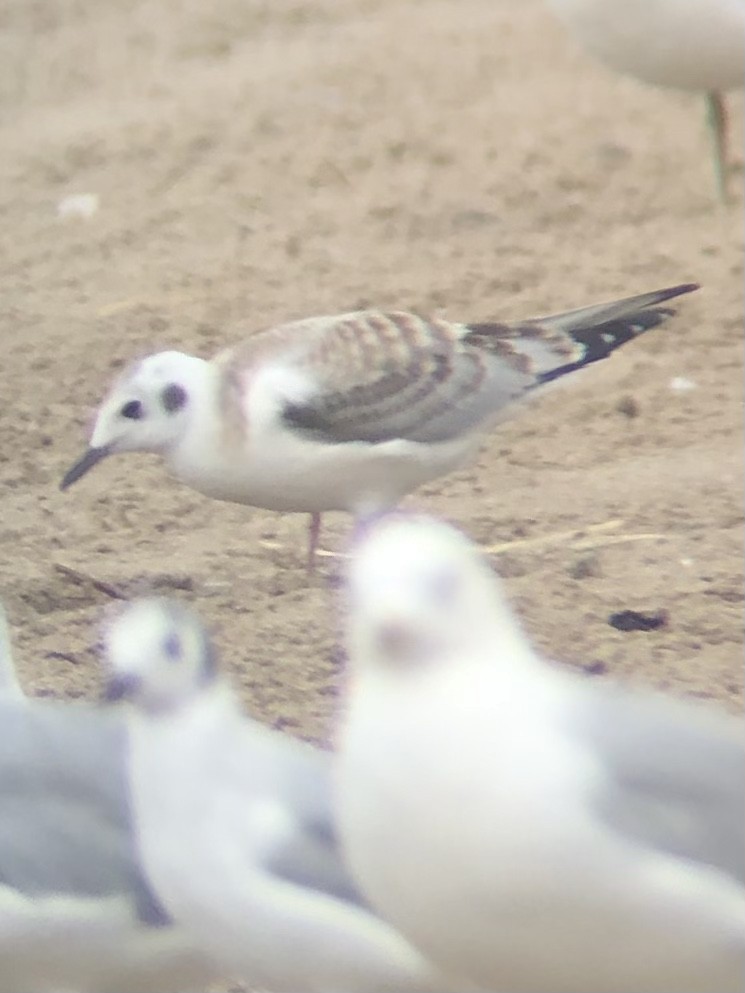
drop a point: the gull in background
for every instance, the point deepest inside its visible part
(349, 412)
(696, 45)
(234, 823)
(525, 826)
(76, 911)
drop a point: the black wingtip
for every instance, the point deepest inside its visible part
(677, 291)
(670, 292)
(602, 339)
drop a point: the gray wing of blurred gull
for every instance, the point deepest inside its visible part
(674, 775)
(76, 911)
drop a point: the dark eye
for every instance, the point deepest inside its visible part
(173, 397)
(132, 411)
(172, 648)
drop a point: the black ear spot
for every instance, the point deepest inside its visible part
(172, 648)
(173, 397)
(132, 410)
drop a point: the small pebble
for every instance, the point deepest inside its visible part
(628, 405)
(679, 384)
(583, 568)
(83, 205)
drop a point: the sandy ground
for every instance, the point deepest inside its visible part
(259, 161)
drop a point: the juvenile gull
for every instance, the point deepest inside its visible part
(696, 45)
(349, 412)
(76, 911)
(530, 828)
(234, 823)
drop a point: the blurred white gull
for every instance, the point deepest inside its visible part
(76, 911)
(528, 827)
(234, 823)
(696, 45)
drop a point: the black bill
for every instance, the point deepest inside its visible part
(92, 457)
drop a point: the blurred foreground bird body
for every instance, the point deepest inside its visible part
(76, 910)
(526, 827)
(234, 822)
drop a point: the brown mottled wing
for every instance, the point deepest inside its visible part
(373, 376)
(376, 377)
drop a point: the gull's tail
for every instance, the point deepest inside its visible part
(604, 327)
(551, 347)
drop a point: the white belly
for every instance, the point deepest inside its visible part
(534, 901)
(286, 472)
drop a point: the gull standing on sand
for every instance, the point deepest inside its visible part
(696, 45)
(527, 827)
(234, 823)
(76, 911)
(350, 412)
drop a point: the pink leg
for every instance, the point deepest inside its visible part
(314, 533)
